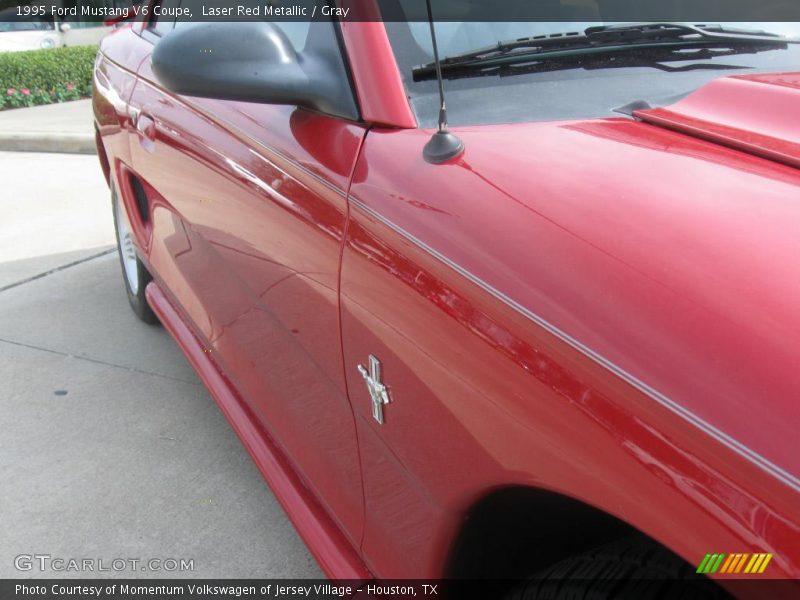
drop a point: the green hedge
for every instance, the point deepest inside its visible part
(45, 72)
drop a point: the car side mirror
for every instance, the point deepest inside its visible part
(253, 62)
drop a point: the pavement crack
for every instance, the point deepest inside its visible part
(97, 361)
(57, 269)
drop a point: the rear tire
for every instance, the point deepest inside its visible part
(134, 273)
(628, 569)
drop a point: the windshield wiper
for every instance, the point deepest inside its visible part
(653, 58)
(604, 39)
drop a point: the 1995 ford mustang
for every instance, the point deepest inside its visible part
(562, 338)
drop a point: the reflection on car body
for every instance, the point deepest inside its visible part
(585, 322)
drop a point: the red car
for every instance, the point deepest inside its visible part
(563, 341)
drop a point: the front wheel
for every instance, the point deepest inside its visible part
(134, 273)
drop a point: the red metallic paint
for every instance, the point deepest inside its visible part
(625, 335)
(722, 111)
(252, 226)
(602, 308)
(332, 550)
(381, 95)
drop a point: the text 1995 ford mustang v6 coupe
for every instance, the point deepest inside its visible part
(560, 338)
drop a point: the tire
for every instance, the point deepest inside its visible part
(629, 569)
(134, 273)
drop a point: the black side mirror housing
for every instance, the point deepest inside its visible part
(255, 62)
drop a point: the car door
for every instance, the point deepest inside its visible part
(248, 206)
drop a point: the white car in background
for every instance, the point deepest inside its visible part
(17, 34)
(25, 33)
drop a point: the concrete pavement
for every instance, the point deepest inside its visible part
(65, 127)
(54, 209)
(111, 448)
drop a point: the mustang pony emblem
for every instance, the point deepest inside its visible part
(375, 387)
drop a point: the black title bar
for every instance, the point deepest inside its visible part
(323, 589)
(697, 11)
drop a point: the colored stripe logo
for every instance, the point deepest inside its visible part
(734, 563)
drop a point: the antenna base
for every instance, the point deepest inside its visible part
(442, 147)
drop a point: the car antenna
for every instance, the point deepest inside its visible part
(443, 145)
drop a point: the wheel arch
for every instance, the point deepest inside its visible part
(514, 531)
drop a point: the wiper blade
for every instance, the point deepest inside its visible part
(604, 39)
(652, 58)
(645, 31)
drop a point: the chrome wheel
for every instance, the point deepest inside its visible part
(134, 273)
(127, 252)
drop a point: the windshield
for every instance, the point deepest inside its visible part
(572, 89)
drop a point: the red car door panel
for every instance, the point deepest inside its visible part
(248, 229)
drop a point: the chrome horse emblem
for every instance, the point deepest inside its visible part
(377, 391)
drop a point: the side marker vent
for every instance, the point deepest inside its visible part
(140, 196)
